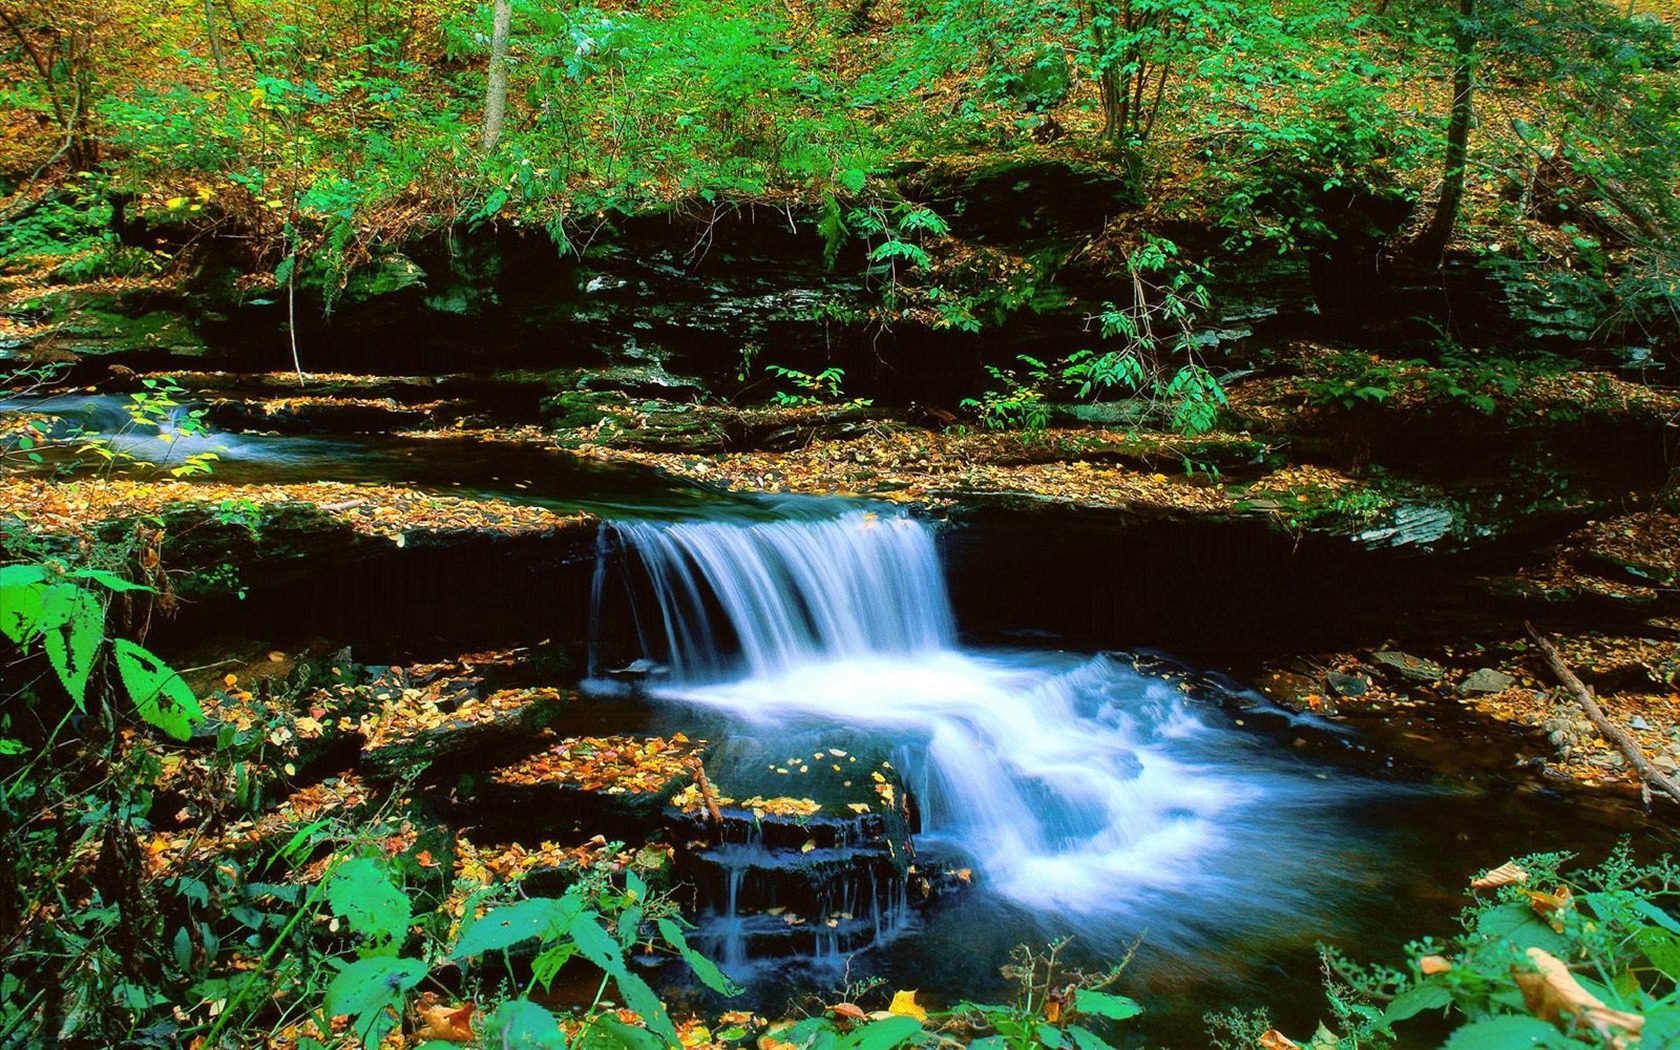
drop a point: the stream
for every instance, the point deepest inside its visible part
(1115, 797)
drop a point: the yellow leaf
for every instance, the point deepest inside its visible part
(810, 844)
(174, 203)
(904, 1004)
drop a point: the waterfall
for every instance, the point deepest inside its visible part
(794, 592)
(1073, 783)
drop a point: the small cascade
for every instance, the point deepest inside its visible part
(777, 595)
(1071, 784)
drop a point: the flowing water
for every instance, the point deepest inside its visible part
(1083, 793)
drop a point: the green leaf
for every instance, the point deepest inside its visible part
(520, 1024)
(21, 575)
(543, 917)
(1518, 924)
(74, 624)
(609, 1033)
(599, 947)
(1656, 915)
(1415, 1000)
(853, 179)
(1662, 948)
(882, 1035)
(1085, 1039)
(158, 692)
(705, 969)
(108, 579)
(20, 607)
(371, 992)
(361, 893)
(1511, 1032)
(1101, 1004)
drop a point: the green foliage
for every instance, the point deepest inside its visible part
(60, 611)
(819, 389)
(1614, 926)
(1016, 403)
(1051, 1001)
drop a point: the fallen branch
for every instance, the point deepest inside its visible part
(706, 792)
(1650, 776)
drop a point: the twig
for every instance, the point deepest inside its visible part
(706, 792)
(1650, 776)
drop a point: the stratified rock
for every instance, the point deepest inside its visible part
(422, 728)
(1484, 681)
(1409, 667)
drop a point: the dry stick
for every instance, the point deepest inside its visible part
(1624, 741)
(706, 792)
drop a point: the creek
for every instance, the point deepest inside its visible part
(1099, 791)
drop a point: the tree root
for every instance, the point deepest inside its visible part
(1650, 776)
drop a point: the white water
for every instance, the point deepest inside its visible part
(1074, 783)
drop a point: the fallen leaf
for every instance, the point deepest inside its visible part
(1504, 875)
(1433, 964)
(1552, 994)
(1276, 1040)
(904, 1004)
(452, 1024)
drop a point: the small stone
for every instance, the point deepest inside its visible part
(1414, 668)
(1484, 681)
(1666, 763)
(1638, 723)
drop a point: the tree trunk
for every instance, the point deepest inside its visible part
(216, 53)
(1433, 242)
(495, 95)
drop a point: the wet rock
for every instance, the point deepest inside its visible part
(1484, 681)
(1666, 763)
(1349, 685)
(1408, 667)
(1637, 722)
(439, 729)
(1288, 689)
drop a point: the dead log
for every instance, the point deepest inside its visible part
(1650, 776)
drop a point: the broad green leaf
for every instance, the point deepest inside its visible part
(1101, 1004)
(21, 575)
(1511, 1032)
(158, 691)
(371, 993)
(882, 1035)
(1415, 1000)
(543, 917)
(73, 621)
(1662, 948)
(1657, 915)
(609, 1033)
(1085, 1039)
(705, 969)
(598, 946)
(361, 893)
(1518, 924)
(520, 1024)
(20, 607)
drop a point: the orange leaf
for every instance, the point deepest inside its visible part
(904, 1004)
(1504, 875)
(452, 1024)
(1276, 1040)
(1552, 994)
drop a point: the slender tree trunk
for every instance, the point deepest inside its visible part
(1433, 242)
(495, 95)
(216, 53)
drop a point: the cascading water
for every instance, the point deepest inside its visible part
(1072, 783)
